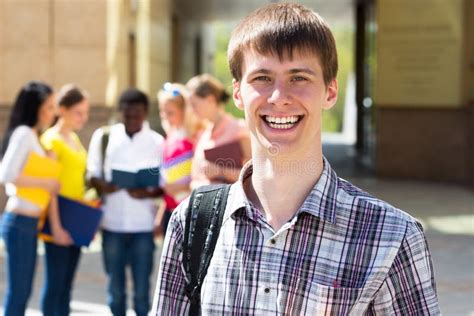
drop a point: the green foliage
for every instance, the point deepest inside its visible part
(221, 67)
(332, 119)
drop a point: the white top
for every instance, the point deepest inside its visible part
(22, 142)
(123, 213)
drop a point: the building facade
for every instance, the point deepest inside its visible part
(422, 80)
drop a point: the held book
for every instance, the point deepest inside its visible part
(40, 167)
(135, 180)
(79, 219)
(228, 155)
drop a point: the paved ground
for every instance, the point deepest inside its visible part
(447, 212)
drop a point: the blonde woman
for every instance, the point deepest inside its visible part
(182, 129)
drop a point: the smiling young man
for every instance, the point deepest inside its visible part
(296, 239)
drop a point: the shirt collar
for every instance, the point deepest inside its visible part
(320, 202)
(237, 200)
(145, 128)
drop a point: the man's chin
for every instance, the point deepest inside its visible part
(131, 131)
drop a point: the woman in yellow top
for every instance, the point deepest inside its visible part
(61, 257)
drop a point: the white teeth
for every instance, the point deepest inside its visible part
(281, 120)
(281, 126)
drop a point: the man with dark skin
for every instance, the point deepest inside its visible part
(133, 115)
(127, 226)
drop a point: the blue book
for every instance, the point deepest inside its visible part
(124, 179)
(79, 219)
(136, 180)
(148, 178)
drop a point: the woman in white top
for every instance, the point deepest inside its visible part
(32, 112)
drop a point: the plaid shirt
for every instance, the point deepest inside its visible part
(344, 253)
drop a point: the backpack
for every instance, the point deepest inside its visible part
(91, 193)
(203, 223)
(103, 147)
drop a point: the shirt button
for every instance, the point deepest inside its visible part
(267, 290)
(272, 241)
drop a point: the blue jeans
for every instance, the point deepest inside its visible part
(20, 236)
(60, 267)
(120, 250)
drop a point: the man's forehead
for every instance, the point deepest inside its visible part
(135, 107)
(252, 58)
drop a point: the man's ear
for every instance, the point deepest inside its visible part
(236, 95)
(331, 95)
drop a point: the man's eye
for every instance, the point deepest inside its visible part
(262, 78)
(298, 78)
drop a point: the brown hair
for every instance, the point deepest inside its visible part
(280, 29)
(205, 85)
(70, 95)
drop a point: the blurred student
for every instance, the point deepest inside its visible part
(182, 128)
(207, 97)
(128, 221)
(32, 112)
(61, 140)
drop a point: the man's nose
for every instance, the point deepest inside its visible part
(280, 94)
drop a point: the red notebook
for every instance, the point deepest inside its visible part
(228, 155)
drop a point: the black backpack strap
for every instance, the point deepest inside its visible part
(104, 141)
(103, 147)
(203, 222)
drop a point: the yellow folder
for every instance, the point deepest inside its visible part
(40, 167)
